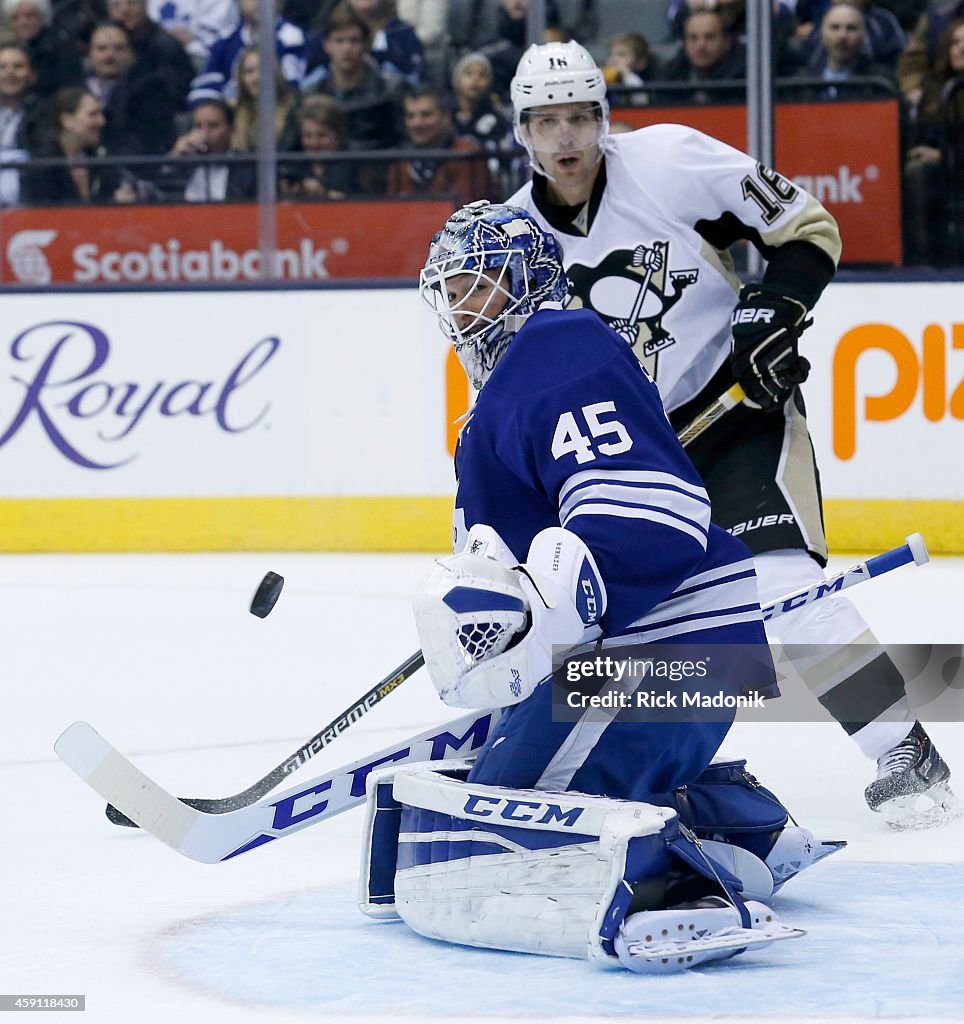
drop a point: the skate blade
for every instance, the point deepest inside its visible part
(821, 849)
(934, 808)
(675, 955)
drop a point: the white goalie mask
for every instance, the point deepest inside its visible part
(559, 102)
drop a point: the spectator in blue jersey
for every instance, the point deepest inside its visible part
(156, 51)
(217, 77)
(195, 24)
(733, 14)
(395, 47)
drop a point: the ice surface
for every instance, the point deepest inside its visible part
(160, 654)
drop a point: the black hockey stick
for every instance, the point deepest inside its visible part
(304, 753)
(273, 582)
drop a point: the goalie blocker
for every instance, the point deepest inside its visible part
(656, 889)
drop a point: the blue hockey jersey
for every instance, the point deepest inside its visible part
(570, 430)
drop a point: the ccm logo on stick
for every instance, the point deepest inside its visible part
(520, 810)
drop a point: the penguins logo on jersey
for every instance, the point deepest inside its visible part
(632, 290)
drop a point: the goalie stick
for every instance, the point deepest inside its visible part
(210, 838)
(305, 752)
(264, 785)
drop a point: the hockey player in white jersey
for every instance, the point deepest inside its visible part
(578, 518)
(645, 220)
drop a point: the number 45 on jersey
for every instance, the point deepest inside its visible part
(570, 437)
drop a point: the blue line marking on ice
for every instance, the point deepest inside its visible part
(877, 946)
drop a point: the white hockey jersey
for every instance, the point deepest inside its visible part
(651, 258)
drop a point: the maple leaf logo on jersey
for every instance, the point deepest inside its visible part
(632, 290)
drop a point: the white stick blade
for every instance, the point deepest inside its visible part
(111, 775)
(82, 749)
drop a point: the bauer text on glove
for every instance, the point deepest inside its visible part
(766, 329)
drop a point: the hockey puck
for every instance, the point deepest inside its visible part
(267, 594)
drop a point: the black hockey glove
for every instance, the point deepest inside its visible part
(764, 359)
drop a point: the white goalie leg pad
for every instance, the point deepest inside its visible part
(376, 876)
(383, 816)
(488, 632)
(523, 870)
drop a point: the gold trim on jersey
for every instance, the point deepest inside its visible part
(813, 224)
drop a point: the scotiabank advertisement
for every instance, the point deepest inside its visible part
(215, 243)
(847, 155)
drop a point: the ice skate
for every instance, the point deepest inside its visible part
(665, 941)
(796, 849)
(911, 789)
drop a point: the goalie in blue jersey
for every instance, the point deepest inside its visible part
(579, 521)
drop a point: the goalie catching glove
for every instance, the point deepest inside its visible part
(488, 627)
(766, 328)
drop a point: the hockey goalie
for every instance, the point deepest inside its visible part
(579, 520)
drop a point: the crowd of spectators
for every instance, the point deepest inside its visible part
(178, 81)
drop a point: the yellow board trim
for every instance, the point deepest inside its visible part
(877, 525)
(369, 524)
(226, 524)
